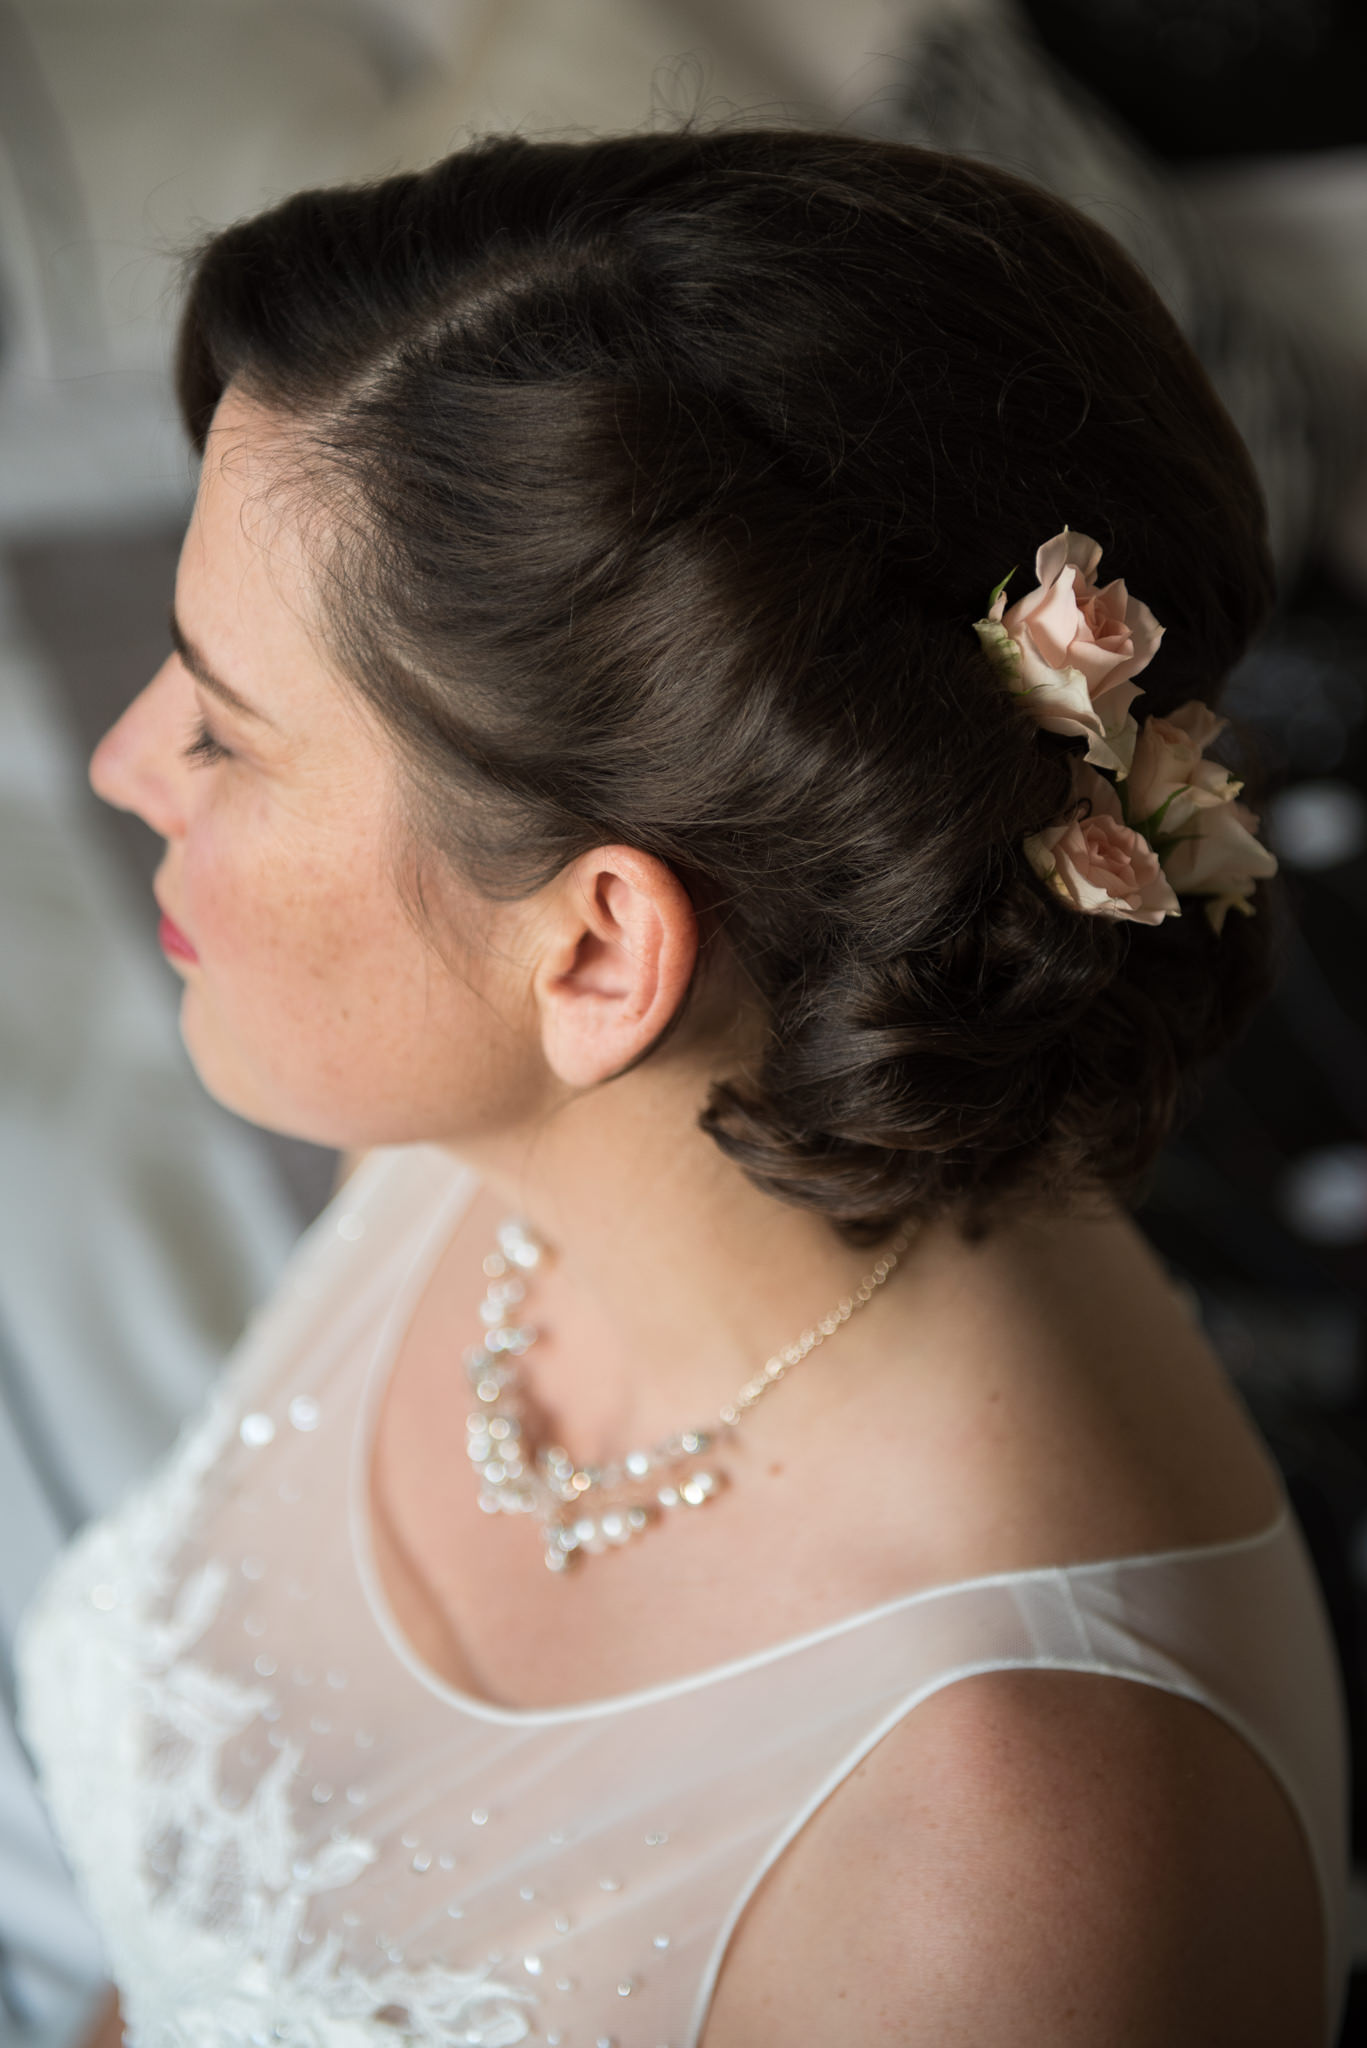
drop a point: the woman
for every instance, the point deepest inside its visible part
(585, 791)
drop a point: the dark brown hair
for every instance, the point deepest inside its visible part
(665, 476)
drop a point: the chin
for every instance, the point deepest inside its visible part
(236, 1087)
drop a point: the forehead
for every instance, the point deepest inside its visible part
(246, 591)
(245, 521)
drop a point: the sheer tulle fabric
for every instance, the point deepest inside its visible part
(290, 1831)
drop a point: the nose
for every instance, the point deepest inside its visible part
(137, 766)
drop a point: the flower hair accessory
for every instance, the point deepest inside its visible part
(1149, 818)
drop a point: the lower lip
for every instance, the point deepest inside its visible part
(174, 941)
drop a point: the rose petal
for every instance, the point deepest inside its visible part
(1053, 624)
(1199, 723)
(1096, 863)
(1218, 906)
(1212, 785)
(1157, 900)
(1112, 872)
(1039, 851)
(1157, 771)
(1072, 650)
(1102, 664)
(1217, 854)
(1119, 733)
(1079, 549)
(1145, 632)
(1059, 700)
(1104, 613)
(1058, 697)
(1168, 769)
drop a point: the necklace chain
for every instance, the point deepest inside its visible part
(578, 1505)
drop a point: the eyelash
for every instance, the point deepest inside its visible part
(203, 747)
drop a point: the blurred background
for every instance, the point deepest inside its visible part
(1224, 141)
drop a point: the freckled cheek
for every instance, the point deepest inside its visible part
(317, 956)
(274, 921)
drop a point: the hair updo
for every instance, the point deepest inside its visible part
(665, 476)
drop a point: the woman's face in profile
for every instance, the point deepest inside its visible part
(313, 1002)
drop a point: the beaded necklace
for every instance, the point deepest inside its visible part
(589, 1509)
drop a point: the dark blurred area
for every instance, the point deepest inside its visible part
(1261, 1202)
(1222, 78)
(1225, 141)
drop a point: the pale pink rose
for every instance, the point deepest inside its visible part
(1073, 651)
(1168, 775)
(1217, 856)
(1098, 864)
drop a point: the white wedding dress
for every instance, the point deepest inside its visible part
(290, 1831)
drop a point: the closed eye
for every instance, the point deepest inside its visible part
(203, 747)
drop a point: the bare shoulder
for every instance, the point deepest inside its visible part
(1036, 1859)
(1085, 1414)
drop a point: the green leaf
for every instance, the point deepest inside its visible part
(1000, 587)
(1154, 822)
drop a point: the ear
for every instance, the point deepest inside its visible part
(615, 962)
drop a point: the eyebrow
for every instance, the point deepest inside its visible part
(204, 675)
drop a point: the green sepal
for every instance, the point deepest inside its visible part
(1153, 824)
(999, 646)
(1163, 846)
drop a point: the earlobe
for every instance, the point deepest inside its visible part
(626, 940)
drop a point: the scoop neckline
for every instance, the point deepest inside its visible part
(378, 1374)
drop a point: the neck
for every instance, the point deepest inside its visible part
(670, 1278)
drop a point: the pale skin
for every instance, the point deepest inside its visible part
(1030, 1859)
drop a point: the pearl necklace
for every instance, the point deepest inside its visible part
(585, 1510)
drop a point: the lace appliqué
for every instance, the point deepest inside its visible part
(202, 1901)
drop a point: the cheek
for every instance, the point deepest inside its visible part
(318, 1008)
(309, 945)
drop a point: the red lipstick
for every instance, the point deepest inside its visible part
(174, 941)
